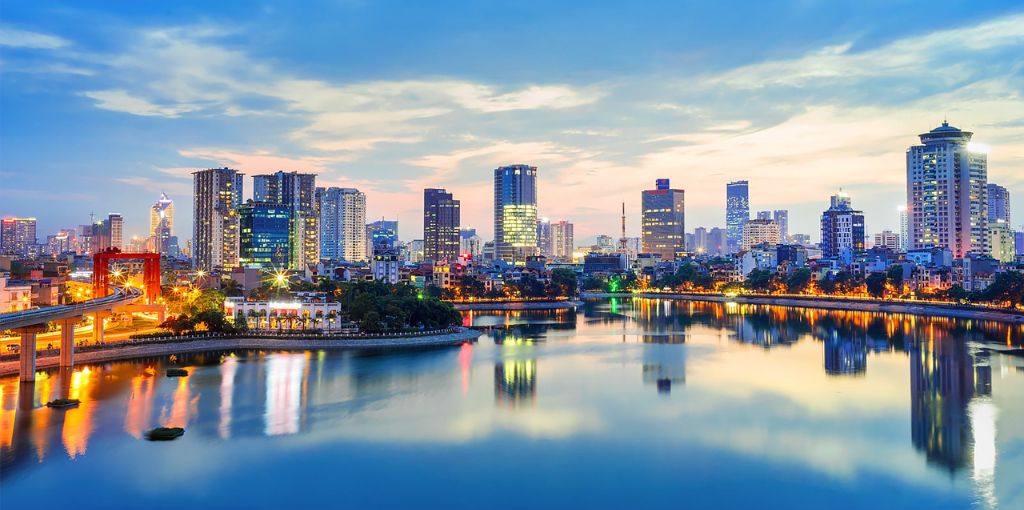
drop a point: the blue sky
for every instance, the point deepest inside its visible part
(105, 105)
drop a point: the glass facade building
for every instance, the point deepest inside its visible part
(441, 218)
(662, 222)
(265, 235)
(515, 212)
(737, 212)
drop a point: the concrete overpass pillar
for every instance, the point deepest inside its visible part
(27, 352)
(67, 342)
(99, 318)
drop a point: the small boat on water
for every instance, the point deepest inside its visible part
(63, 403)
(177, 372)
(165, 433)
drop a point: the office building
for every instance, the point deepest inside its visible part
(662, 220)
(381, 237)
(737, 212)
(544, 237)
(998, 204)
(217, 193)
(471, 245)
(756, 232)
(265, 235)
(342, 224)
(115, 227)
(947, 193)
(17, 236)
(441, 219)
(842, 229)
(764, 215)
(904, 228)
(515, 212)
(297, 191)
(781, 217)
(561, 240)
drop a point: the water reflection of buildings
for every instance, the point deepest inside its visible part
(845, 356)
(952, 413)
(515, 382)
(664, 363)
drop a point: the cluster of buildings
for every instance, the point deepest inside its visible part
(954, 229)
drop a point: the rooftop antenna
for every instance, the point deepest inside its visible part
(622, 240)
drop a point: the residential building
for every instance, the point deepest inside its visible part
(471, 245)
(296, 191)
(605, 244)
(998, 204)
(662, 223)
(265, 235)
(561, 241)
(342, 224)
(515, 212)
(888, 239)
(17, 235)
(441, 219)
(386, 267)
(904, 228)
(757, 232)
(737, 212)
(217, 193)
(544, 237)
(947, 193)
(764, 215)
(14, 297)
(1002, 241)
(115, 226)
(842, 229)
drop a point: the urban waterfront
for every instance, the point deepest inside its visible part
(625, 402)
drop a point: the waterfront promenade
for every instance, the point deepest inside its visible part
(203, 343)
(929, 309)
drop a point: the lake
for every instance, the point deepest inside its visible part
(621, 403)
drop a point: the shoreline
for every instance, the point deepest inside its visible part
(924, 309)
(516, 305)
(129, 352)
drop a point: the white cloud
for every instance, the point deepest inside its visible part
(15, 38)
(122, 101)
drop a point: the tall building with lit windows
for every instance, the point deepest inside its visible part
(904, 228)
(515, 212)
(737, 212)
(842, 229)
(998, 204)
(265, 235)
(161, 225)
(17, 235)
(342, 224)
(561, 240)
(441, 217)
(662, 220)
(947, 193)
(217, 193)
(297, 191)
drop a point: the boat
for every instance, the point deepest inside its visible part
(63, 403)
(177, 372)
(165, 433)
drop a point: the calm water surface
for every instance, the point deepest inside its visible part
(620, 404)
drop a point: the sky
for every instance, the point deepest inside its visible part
(104, 105)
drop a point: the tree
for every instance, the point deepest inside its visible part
(876, 284)
(1007, 288)
(799, 280)
(759, 280)
(895, 276)
(563, 282)
(231, 287)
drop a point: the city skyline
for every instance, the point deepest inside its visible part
(140, 122)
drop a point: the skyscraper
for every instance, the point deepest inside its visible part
(781, 217)
(561, 240)
(904, 228)
(544, 237)
(342, 224)
(998, 203)
(17, 235)
(764, 215)
(515, 212)
(265, 234)
(471, 243)
(441, 218)
(381, 237)
(947, 193)
(115, 227)
(216, 197)
(842, 229)
(662, 221)
(296, 191)
(161, 224)
(737, 212)
(1002, 241)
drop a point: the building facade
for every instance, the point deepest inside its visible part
(663, 220)
(515, 212)
(904, 228)
(998, 204)
(544, 237)
(381, 237)
(161, 225)
(842, 229)
(217, 193)
(342, 224)
(947, 193)
(781, 217)
(265, 235)
(561, 240)
(737, 212)
(888, 239)
(756, 232)
(441, 218)
(17, 235)
(297, 191)
(1002, 241)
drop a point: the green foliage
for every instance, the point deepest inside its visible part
(798, 281)
(760, 280)
(895, 276)
(876, 284)
(378, 306)
(1007, 288)
(563, 283)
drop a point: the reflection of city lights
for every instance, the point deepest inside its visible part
(983, 415)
